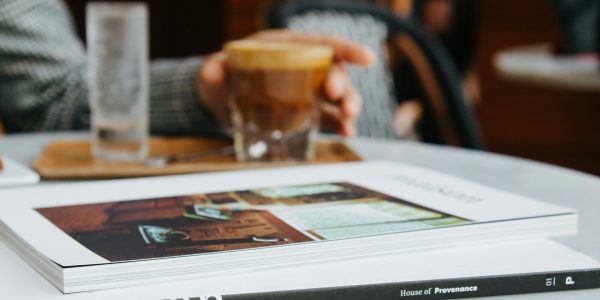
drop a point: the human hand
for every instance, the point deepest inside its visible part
(337, 115)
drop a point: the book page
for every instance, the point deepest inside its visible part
(124, 220)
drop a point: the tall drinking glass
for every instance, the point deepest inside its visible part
(276, 91)
(117, 39)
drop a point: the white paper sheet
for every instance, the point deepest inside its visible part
(16, 174)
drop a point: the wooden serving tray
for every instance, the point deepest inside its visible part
(73, 159)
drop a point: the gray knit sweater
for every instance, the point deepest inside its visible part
(43, 76)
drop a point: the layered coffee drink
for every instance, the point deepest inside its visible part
(276, 90)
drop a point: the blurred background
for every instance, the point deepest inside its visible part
(545, 122)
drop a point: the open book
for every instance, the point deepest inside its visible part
(90, 236)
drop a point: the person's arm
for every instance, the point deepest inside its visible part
(43, 76)
(174, 104)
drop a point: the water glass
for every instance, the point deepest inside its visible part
(117, 40)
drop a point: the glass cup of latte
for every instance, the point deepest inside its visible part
(276, 92)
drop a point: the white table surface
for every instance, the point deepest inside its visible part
(537, 180)
(537, 65)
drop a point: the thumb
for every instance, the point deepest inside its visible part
(214, 69)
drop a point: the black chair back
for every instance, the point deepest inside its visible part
(447, 118)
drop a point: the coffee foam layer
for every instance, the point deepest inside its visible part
(272, 55)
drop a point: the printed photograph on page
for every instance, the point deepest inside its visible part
(215, 222)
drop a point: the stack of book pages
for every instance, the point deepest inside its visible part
(107, 234)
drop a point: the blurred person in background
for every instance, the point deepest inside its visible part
(578, 21)
(43, 78)
(451, 22)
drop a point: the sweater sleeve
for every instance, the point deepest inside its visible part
(43, 74)
(174, 104)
